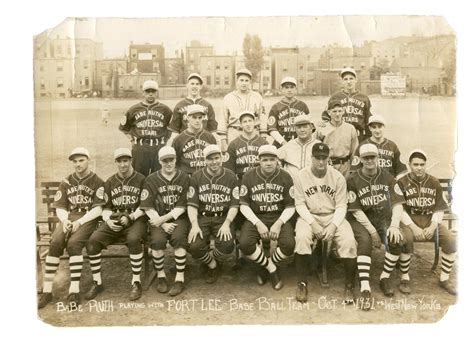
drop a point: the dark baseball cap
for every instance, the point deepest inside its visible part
(320, 149)
(334, 103)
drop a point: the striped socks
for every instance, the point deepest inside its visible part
(389, 264)
(136, 262)
(447, 263)
(95, 263)
(51, 267)
(363, 267)
(75, 269)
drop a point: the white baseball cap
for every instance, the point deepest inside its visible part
(150, 85)
(210, 150)
(348, 70)
(166, 152)
(268, 150)
(290, 80)
(122, 152)
(376, 119)
(197, 76)
(194, 109)
(79, 151)
(368, 149)
(246, 113)
(302, 120)
(243, 71)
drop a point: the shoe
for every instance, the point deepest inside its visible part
(262, 276)
(405, 287)
(136, 291)
(385, 287)
(177, 288)
(277, 283)
(448, 286)
(302, 292)
(365, 297)
(94, 291)
(203, 268)
(162, 285)
(239, 264)
(44, 299)
(348, 294)
(212, 274)
(73, 299)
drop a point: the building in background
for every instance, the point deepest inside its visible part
(175, 71)
(130, 85)
(218, 72)
(147, 58)
(193, 55)
(107, 72)
(263, 81)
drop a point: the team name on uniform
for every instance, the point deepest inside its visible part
(313, 190)
(79, 188)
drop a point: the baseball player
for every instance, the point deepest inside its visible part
(341, 137)
(375, 203)
(355, 104)
(296, 154)
(122, 218)
(213, 203)
(164, 202)
(145, 124)
(321, 203)
(75, 209)
(105, 112)
(190, 143)
(241, 99)
(282, 114)
(243, 151)
(179, 122)
(423, 214)
(267, 202)
(389, 154)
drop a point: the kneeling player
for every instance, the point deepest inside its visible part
(265, 192)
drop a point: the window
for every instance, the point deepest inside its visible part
(226, 66)
(86, 81)
(218, 67)
(42, 84)
(226, 81)
(41, 68)
(208, 80)
(267, 66)
(43, 94)
(301, 67)
(62, 95)
(60, 82)
(59, 66)
(59, 49)
(86, 64)
(218, 81)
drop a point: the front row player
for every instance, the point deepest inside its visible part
(164, 201)
(321, 202)
(121, 197)
(213, 203)
(78, 215)
(267, 202)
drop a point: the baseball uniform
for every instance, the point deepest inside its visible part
(296, 155)
(243, 154)
(189, 149)
(281, 115)
(179, 121)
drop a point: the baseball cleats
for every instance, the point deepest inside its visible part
(302, 292)
(365, 297)
(73, 299)
(262, 276)
(348, 294)
(162, 285)
(448, 286)
(405, 287)
(94, 291)
(177, 288)
(385, 287)
(212, 274)
(44, 299)
(277, 283)
(136, 291)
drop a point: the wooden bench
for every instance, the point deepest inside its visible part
(46, 225)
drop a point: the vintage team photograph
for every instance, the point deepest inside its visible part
(245, 170)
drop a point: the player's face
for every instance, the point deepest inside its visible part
(336, 114)
(195, 121)
(168, 164)
(304, 131)
(243, 83)
(349, 81)
(418, 166)
(214, 162)
(81, 164)
(248, 124)
(150, 95)
(268, 163)
(289, 90)
(319, 163)
(369, 162)
(123, 165)
(194, 87)
(377, 130)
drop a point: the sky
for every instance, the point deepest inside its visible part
(226, 33)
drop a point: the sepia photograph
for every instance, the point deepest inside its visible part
(274, 170)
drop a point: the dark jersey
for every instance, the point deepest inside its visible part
(267, 195)
(389, 156)
(189, 149)
(79, 194)
(122, 193)
(164, 195)
(213, 195)
(375, 196)
(243, 154)
(281, 117)
(179, 121)
(144, 121)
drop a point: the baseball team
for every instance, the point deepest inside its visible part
(244, 179)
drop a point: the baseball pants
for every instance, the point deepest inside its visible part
(209, 227)
(77, 241)
(145, 158)
(178, 238)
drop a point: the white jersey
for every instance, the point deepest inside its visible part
(296, 155)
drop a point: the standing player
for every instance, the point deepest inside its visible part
(122, 218)
(74, 203)
(321, 203)
(296, 154)
(105, 112)
(242, 99)
(189, 145)
(243, 151)
(424, 210)
(179, 122)
(282, 114)
(267, 202)
(213, 203)
(389, 154)
(164, 202)
(375, 203)
(356, 105)
(145, 124)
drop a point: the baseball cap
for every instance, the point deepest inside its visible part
(417, 153)
(302, 120)
(267, 150)
(376, 119)
(79, 151)
(368, 149)
(243, 71)
(122, 152)
(246, 113)
(150, 85)
(320, 149)
(210, 150)
(197, 76)
(195, 109)
(289, 80)
(348, 70)
(333, 103)
(166, 152)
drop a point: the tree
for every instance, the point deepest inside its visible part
(253, 52)
(178, 70)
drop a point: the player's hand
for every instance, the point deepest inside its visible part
(115, 227)
(319, 135)
(75, 226)
(125, 220)
(224, 233)
(193, 233)
(417, 232)
(67, 225)
(394, 235)
(157, 221)
(376, 241)
(275, 230)
(329, 231)
(262, 230)
(430, 231)
(318, 230)
(168, 227)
